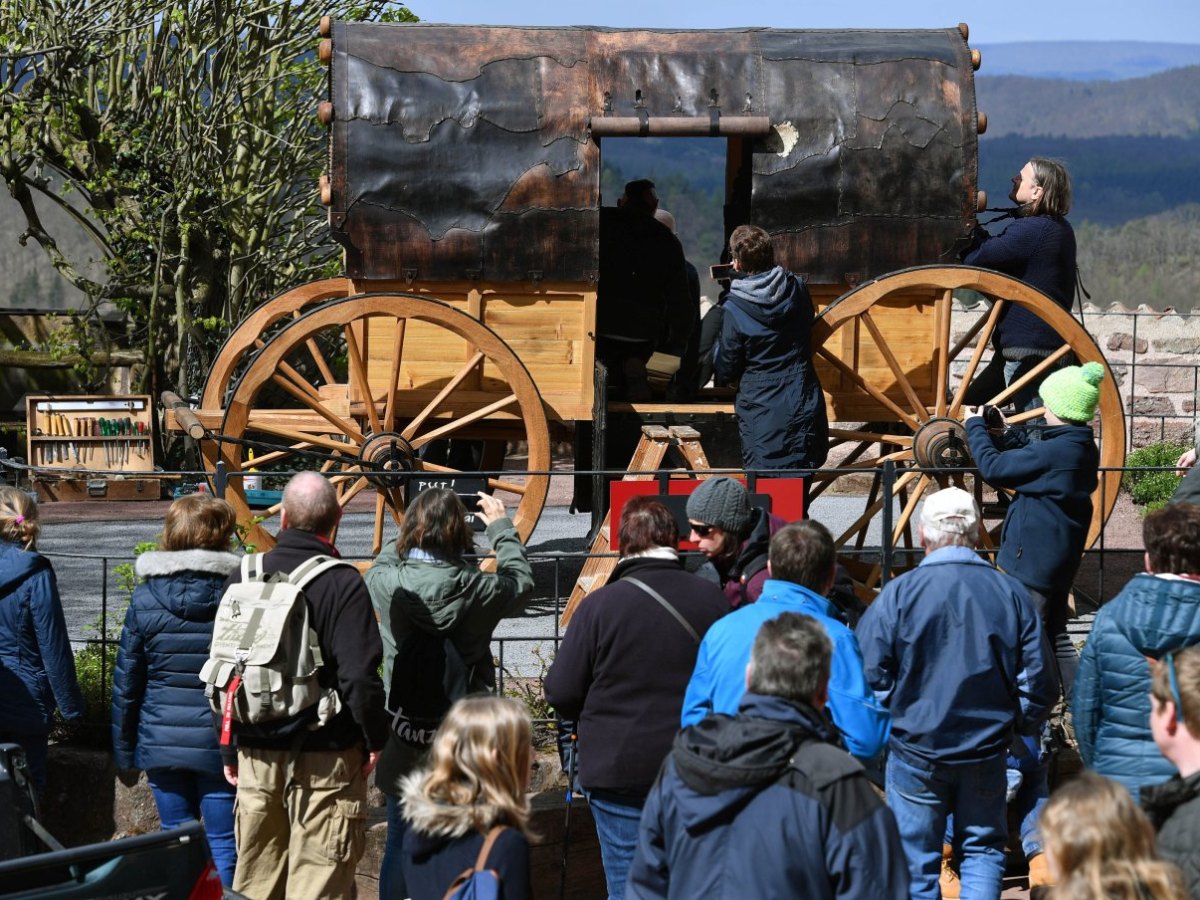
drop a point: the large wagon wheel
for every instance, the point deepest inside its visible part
(898, 397)
(254, 331)
(433, 373)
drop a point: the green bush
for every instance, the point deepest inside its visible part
(1152, 487)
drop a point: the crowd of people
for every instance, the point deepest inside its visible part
(740, 730)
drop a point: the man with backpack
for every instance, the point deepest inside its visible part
(801, 565)
(300, 774)
(764, 804)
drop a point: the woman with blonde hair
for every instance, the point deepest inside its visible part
(1100, 846)
(37, 669)
(161, 720)
(476, 781)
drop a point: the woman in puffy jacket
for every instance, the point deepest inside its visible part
(37, 670)
(161, 721)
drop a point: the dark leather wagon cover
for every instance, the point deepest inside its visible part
(465, 152)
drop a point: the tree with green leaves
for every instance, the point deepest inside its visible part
(181, 136)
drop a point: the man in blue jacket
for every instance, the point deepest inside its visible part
(763, 804)
(801, 563)
(955, 650)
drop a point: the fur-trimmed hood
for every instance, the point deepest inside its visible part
(172, 562)
(443, 820)
(187, 583)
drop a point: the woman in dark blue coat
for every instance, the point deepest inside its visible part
(765, 347)
(161, 719)
(37, 670)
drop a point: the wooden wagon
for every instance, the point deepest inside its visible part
(464, 185)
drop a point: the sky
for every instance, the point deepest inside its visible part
(991, 21)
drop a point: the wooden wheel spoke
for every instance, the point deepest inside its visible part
(910, 506)
(1030, 376)
(353, 491)
(359, 369)
(985, 325)
(393, 389)
(894, 364)
(474, 416)
(868, 388)
(871, 437)
(345, 426)
(415, 425)
(299, 380)
(941, 350)
(319, 359)
(1018, 418)
(275, 456)
(293, 434)
(377, 534)
(861, 523)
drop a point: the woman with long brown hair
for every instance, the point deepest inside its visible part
(437, 611)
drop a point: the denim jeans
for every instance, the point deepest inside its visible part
(617, 830)
(183, 795)
(922, 795)
(391, 872)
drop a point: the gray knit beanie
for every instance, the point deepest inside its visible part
(720, 501)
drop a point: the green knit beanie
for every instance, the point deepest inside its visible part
(1072, 393)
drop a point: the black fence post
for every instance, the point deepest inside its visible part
(889, 487)
(220, 479)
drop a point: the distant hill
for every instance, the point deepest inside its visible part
(1086, 60)
(1166, 104)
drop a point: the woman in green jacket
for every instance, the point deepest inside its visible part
(436, 613)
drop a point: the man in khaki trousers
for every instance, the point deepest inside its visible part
(302, 786)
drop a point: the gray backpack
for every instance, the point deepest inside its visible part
(264, 658)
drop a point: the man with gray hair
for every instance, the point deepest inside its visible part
(763, 803)
(956, 650)
(302, 789)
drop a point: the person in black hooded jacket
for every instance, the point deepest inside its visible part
(765, 347)
(764, 803)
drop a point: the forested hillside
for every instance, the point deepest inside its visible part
(1166, 104)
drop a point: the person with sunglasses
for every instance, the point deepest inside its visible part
(733, 536)
(1156, 612)
(1174, 805)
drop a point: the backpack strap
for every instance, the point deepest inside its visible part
(252, 567)
(687, 626)
(486, 850)
(313, 568)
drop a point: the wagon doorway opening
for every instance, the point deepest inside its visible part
(694, 179)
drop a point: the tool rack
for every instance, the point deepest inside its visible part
(92, 447)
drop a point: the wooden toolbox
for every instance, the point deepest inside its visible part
(92, 447)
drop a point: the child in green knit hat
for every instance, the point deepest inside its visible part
(1044, 533)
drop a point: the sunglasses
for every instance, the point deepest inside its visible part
(1169, 659)
(702, 530)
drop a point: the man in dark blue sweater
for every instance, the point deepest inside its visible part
(1038, 248)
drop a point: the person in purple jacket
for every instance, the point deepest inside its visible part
(733, 536)
(1038, 247)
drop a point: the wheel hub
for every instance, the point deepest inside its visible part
(386, 452)
(941, 444)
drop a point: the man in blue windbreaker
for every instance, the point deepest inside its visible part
(956, 651)
(801, 563)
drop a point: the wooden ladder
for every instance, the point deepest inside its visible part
(652, 448)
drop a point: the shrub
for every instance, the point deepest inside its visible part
(1153, 485)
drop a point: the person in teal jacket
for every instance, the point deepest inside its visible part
(1156, 612)
(37, 670)
(421, 585)
(801, 563)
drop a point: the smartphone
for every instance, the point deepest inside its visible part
(470, 501)
(721, 272)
